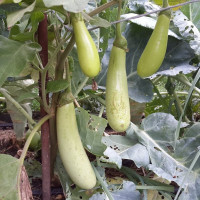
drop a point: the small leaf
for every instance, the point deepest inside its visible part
(98, 21)
(126, 192)
(91, 129)
(9, 167)
(14, 17)
(128, 148)
(18, 119)
(56, 86)
(133, 152)
(110, 156)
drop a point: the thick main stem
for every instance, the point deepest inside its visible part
(43, 41)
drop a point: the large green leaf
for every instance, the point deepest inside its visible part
(69, 5)
(91, 129)
(9, 167)
(173, 167)
(14, 57)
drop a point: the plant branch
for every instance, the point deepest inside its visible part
(101, 111)
(103, 7)
(179, 106)
(17, 105)
(154, 187)
(40, 62)
(118, 25)
(177, 92)
(44, 73)
(186, 82)
(99, 99)
(102, 183)
(80, 87)
(66, 52)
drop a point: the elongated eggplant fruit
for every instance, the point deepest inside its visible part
(71, 150)
(117, 99)
(155, 50)
(87, 52)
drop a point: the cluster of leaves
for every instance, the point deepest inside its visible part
(153, 144)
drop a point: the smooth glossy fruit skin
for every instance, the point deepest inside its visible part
(117, 99)
(71, 150)
(155, 50)
(87, 52)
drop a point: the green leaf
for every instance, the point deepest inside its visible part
(14, 57)
(57, 86)
(18, 119)
(91, 129)
(161, 127)
(187, 147)
(3, 26)
(98, 21)
(127, 191)
(33, 168)
(25, 35)
(104, 32)
(26, 96)
(77, 74)
(164, 164)
(128, 149)
(14, 17)
(112, 157)
(137, 110)
(9, 167)
(187, 30)
(192, 12)
(69, 5)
